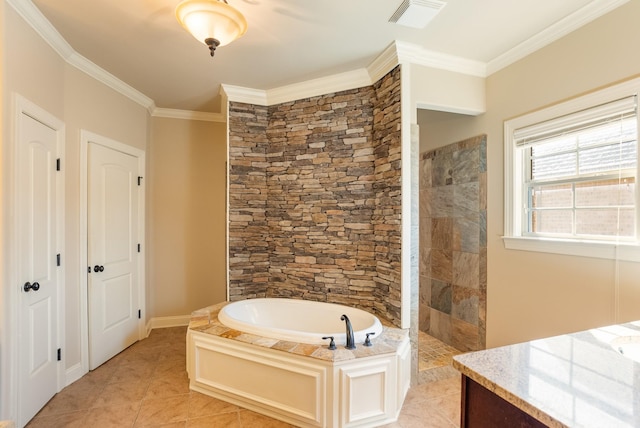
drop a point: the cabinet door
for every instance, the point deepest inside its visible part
(482, 408)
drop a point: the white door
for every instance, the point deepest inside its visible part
(38, 364)
(112, 252)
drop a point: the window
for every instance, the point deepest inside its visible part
(571, 173)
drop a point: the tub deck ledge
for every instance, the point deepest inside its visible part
(205, 320)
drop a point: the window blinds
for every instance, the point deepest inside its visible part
(578, 121)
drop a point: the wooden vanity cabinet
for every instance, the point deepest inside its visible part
(482, 408)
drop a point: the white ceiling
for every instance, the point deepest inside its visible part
(291, 41)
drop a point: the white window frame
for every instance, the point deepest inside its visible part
(513, 184)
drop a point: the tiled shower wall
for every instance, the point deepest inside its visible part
(453, 243)
(315, 198)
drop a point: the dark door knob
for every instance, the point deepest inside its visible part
(28, 286)
(98, 268)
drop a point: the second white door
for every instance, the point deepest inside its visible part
(112, 223)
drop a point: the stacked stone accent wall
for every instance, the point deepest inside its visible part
(248, 229)
(387, 216)
(315, 199)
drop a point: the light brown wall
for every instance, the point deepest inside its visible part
(529, 294)
(186, 216)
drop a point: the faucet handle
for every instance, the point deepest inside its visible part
(332, 344)
(367, 341)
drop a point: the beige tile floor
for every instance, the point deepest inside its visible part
(147, 386)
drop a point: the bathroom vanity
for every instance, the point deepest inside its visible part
(585, 379)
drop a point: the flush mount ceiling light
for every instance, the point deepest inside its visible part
(212, 22)
(417, 13)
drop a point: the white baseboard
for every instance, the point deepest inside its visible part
(164, 322)
(74, 373)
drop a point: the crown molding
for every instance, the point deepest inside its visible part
(188, 115)
(101, 75)
(568, 24)
(32, 15)
(324, 85)
(384, 63)
(42, 26)
(245, 95)
(414, 54)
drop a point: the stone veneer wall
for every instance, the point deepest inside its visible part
(314, 198)
(453, 243)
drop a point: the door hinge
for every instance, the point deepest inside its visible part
(57, 259)
(59, 354)
(139, 180)
(139, 247)
(139, 314)
(58, 164)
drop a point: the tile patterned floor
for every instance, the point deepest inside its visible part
(433, 353)
(147, 386)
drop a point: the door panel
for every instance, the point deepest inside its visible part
(112, 240)
(36, 203)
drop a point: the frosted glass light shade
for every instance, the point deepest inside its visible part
(211, 19)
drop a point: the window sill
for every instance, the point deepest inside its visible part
(626, 251)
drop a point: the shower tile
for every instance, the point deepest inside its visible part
(440, 325)
(482, 277)
(442, 201)
(465, 165)
(442, 169)
(466, 200)
(425, 290)
(441, 231)
(442, 265)
(483, 228)
(425, 173)
(425, 261)
(441, 296)
(464, 304)
(424, 317)
(482, 191)
(425, 202)
(466, 269)
(466, 235)
(465, 336)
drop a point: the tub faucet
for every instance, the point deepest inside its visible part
(350, 340)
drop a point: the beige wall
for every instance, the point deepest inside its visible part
(186, 214)
(444, 90)
(532, 295)
(89, 105)
(36, 72)
(188, 271)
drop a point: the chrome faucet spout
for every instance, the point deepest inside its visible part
(351, 343)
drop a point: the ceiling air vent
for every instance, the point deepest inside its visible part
(416, 13)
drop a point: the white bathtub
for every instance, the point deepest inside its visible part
(302, 321)
(288, 378)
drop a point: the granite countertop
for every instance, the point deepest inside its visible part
(206, 321)
(573, 380)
